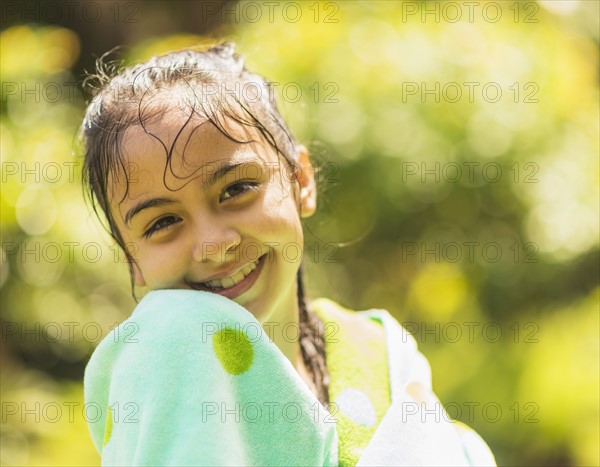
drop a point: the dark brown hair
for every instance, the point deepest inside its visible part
(214, 84)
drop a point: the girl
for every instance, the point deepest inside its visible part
(226, 361)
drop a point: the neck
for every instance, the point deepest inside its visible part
(283, 328)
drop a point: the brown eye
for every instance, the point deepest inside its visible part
(238, 189)
(161, 224)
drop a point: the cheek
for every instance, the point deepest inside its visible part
(163, 267)
(281, 222)
(279, 209)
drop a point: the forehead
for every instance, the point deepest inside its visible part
(193, 140)
(174, 149)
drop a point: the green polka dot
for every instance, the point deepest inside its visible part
(108, 427)
(234, 350)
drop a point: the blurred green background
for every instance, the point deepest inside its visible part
(459, 188)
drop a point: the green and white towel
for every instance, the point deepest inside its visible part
(380, 389)
(191, 379)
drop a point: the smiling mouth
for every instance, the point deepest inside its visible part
(236, 284)
(230, 281)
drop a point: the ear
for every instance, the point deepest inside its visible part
(136, 272)
(305, 175)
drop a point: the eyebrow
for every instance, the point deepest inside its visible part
(149, 203)
(211, 179)
(223, 170)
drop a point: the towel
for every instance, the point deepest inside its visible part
(191, 379)
(359, 390)
(381, 394)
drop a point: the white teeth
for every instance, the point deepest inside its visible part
(238, 277)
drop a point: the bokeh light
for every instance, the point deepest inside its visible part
(445, 210)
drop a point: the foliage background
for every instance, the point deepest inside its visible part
(352, 62)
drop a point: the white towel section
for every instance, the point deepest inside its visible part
(416, 430)
(414, 434)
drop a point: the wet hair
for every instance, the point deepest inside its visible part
(212, 84)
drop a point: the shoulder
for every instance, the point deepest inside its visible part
(359, 390)
(407, 375)
(405, 363)
(167, 344)
(337, 318)
(161, 328)
(375, 322)
(195, 356)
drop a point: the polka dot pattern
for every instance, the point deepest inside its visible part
(357, 406)
(234, 350)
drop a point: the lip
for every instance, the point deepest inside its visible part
(234, 269)
(239, 288)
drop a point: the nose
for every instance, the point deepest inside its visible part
(216, 243)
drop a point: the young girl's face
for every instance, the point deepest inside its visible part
(223, 217)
